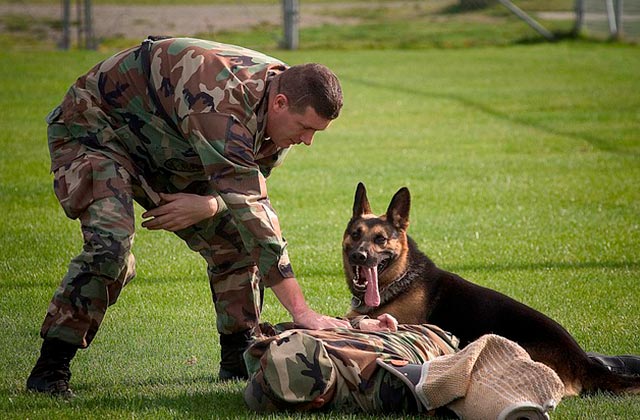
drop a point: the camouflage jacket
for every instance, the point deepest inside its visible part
(194, 124)
(354, 356)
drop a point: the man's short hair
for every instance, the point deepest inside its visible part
(314, 85)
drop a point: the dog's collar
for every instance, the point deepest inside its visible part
(392, 290)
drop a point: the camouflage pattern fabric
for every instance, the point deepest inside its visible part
(110, 144)
(290, 368)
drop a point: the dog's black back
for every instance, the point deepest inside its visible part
(470, 311)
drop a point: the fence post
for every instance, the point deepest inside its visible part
(79, 30)
(88, 26)
(65, 42)
(291, 15)
(619, 17)
(611, 18)
(577, 29)
(528, 19)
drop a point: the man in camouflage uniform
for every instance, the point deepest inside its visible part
(414, 369)
(189, 129)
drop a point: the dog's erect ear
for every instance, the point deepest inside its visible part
(398, 211)
(361, 203)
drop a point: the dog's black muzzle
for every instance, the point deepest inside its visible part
(358, 257)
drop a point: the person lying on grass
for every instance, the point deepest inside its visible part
(382, 367)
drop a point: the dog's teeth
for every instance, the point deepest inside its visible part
(359, 287)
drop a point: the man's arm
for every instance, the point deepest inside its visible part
(289, 293)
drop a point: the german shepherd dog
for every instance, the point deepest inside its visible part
(386, 273)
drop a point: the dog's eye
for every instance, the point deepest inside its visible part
(355, 235)
(380, 240)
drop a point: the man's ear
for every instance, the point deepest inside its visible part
(280, 102)
(318, 402)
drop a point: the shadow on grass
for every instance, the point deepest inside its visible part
(607, 145)
(200, 397)
(198, 405)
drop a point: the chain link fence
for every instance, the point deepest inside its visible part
(609, 18)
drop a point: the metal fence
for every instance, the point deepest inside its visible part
(81, 24)
(618, 19)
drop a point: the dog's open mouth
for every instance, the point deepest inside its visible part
(365, 281)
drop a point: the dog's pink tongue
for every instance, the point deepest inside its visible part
(371, 295)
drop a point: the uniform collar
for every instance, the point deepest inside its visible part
(263, 106)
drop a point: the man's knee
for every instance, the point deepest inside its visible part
(105, 253)
(90, 178)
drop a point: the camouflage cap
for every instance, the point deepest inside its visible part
(294, 369)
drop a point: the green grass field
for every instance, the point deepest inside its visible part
(523, 163)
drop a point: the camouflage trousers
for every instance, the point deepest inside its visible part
(100, 192)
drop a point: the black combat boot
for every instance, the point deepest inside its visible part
(232, 347)
(625, 365)
(51, 374)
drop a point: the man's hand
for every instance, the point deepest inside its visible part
(315, 321)
(384, 322)
(180, 211)
(290, 295)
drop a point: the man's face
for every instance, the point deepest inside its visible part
(286, 127)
